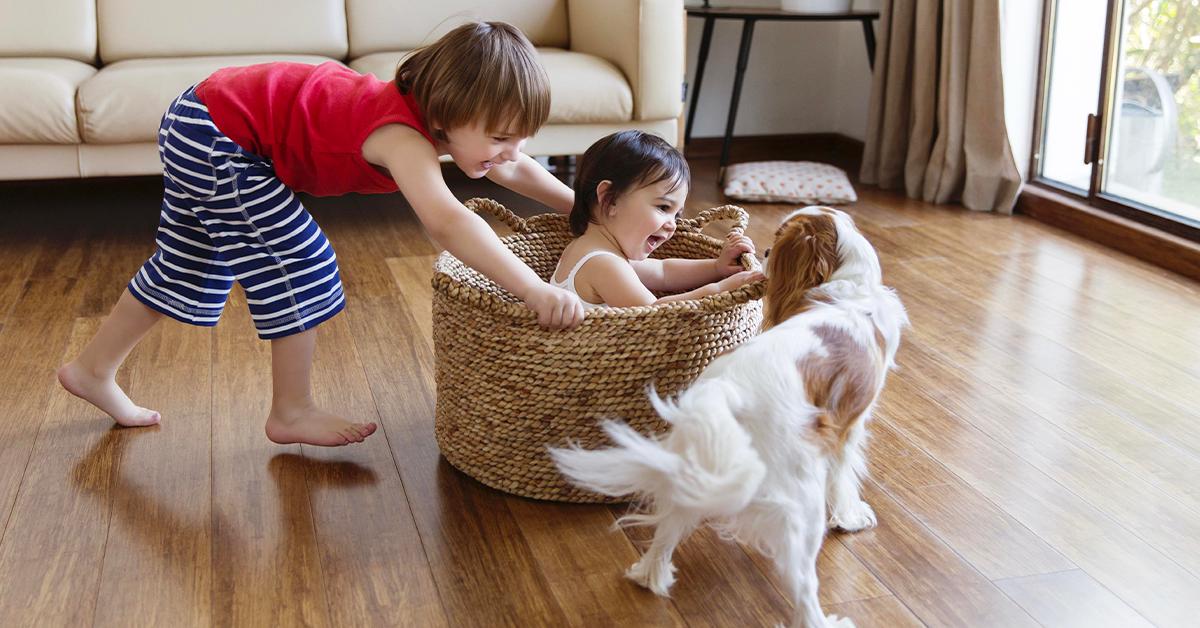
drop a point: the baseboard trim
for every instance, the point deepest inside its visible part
(704, 147)
(830, 148)
(1152, 245)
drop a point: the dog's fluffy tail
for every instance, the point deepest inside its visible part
(706, 464)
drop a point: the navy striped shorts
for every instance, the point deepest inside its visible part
(225, 216)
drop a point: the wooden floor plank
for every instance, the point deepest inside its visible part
(266, 560)
(1020, 310)
(44, 292)
(1161, 447)
(1071, 599)
(371, 553)
(1143, 577)
(32, 343)
(1163, 521)
(979, 531)
(877, 612)
(1049, 371)
(1126, 274)
(20, 247)
(1056, 302)
(157, 562)
(926, 575)
(55, 540)
(844, 578)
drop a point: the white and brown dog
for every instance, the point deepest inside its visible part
(772, 433)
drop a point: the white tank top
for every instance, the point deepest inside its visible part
(569, 282)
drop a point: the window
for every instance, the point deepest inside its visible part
(1119, 113)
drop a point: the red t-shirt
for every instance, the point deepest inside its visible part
(310, 121)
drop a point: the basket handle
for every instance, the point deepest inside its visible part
(740, 218)
(504, 214)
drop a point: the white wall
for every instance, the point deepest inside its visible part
(814, 78)
(801, 77)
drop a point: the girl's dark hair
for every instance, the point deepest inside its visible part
(630, 160)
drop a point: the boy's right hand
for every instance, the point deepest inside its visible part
(733, 282)
(556, 308)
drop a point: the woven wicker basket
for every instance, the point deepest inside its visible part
(508, 389)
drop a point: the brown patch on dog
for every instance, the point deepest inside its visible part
(842, 384)
(803, 257)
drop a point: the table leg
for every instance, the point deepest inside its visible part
(743, 57)
(705, 40)
(869, 35)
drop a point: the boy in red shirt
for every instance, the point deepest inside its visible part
(237, 146)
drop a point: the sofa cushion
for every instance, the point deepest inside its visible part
(583, 88)
(376, 26)
(645, 39)
(37, 100)
(48, 28)
(135, 29)
(125, 101)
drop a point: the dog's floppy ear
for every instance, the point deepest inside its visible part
(803, 257)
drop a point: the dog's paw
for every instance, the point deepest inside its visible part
(860, 516)
(653, 576)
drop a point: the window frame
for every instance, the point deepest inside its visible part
(1093, 196)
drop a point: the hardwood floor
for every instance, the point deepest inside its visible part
(1034, 458)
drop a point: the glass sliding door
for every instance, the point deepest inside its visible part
(1119, 119)
(1153, 157)
(1076, 62)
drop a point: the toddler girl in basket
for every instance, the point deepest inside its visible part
(629, 189)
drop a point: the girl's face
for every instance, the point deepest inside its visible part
(643, 218)
(476, 151)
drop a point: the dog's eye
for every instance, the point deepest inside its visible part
(767, 253)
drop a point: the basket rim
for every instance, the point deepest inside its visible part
(448, 287)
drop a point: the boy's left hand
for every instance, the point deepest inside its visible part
(735, 245)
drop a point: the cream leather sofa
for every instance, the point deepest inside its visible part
(83, 83)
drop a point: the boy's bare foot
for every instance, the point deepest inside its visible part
(104, 393)
(314, 426)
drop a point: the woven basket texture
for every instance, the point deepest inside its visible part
(508, 389)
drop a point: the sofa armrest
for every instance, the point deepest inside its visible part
(644, 38)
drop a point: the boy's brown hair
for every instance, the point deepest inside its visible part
(480, 71)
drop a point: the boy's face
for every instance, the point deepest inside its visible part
(476, 150)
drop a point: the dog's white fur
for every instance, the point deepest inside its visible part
(753, 452)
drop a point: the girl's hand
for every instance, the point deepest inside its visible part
(733, 282)
(556, 308)
(735, 246)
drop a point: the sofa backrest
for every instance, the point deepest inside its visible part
(48, 28)
(380, 25)
(170, 28)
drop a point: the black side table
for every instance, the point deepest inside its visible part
(748, 16)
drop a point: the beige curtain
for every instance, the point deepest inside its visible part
(936, 117)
